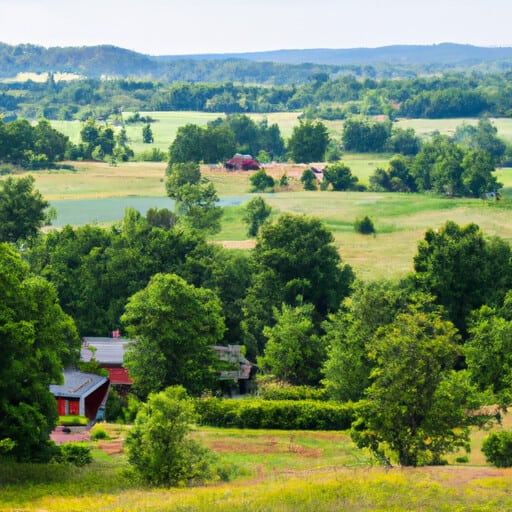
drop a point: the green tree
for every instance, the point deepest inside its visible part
(38, 340)
(256, 213)
(293, 352)
(365, 135)
(147, 134)
(364, 225)
(175, 326)
(196, 198)
(463, 269)
(293, 257)
(159, 445)
(261, 181)
(416, 407)
(349, 333)
(477, 173)
(488, 352)
(308, 180)
(339, 176)
(308, 142)
(187, 145)
(22, 210)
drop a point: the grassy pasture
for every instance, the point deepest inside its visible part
(92, 192)
(273, 470)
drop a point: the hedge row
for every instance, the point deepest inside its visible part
(279, 391)
(278, 414)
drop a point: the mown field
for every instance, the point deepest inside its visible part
(268, 471)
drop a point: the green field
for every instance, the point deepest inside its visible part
(98, 193)
(268, 471)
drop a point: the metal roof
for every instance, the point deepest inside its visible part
(77, 384)
(108, 350)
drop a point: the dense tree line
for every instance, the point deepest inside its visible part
(323, 95)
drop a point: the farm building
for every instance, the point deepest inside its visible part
(81, 394)
(109, 352)
(242, 163)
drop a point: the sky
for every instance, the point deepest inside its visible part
(172, 27)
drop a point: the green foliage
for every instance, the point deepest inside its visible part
(175, 325)
(284, 391)
(78, 454)
(195, 197)
(364, 135)
(147, 134)
(488, 352)
(38, 340)
(275, 414)
(340, 177)
(256, 213)
(308, 142)
(308, 180)
(293, 258)
(261, 181)
(159, 446)
(22, 210)
(416, 405)
(364, 225)
(497, 448)
(98, 433)
(457, 264)
(293, 352)
(72, 420)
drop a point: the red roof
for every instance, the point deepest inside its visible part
(118, 375)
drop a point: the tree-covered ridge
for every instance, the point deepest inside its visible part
(322, 94)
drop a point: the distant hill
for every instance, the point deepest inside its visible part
(272, 67)
(444, 53)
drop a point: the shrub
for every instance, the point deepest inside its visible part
(275, 414)
(73, 420)
(497, 448)
(364, 225)
(98, 432)
(78, 454)
(159, 448)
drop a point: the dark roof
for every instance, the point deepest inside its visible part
(108, 350)
(77, 384)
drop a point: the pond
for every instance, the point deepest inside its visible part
(78, 212)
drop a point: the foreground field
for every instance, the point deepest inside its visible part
(274, 470)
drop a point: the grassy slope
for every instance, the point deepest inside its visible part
(274, 470)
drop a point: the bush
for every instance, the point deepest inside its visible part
(98, 432)
(275, 414)
(78, 454)
(159, 448)
(364, 225)
(497, 448)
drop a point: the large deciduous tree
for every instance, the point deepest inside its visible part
(175, 326)
(308, 142)
(416, 406)
(295, 257)
(38, 339)
(463, 269)
(22, 210)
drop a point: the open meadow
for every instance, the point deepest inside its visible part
(265, 471)
(167, 123)
(98, 193)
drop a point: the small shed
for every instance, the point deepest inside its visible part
(81, 394)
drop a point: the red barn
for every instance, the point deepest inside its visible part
(242, 163)
(81, 394)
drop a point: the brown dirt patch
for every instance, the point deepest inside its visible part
(111, 447)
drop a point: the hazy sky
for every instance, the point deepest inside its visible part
(165, 27)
